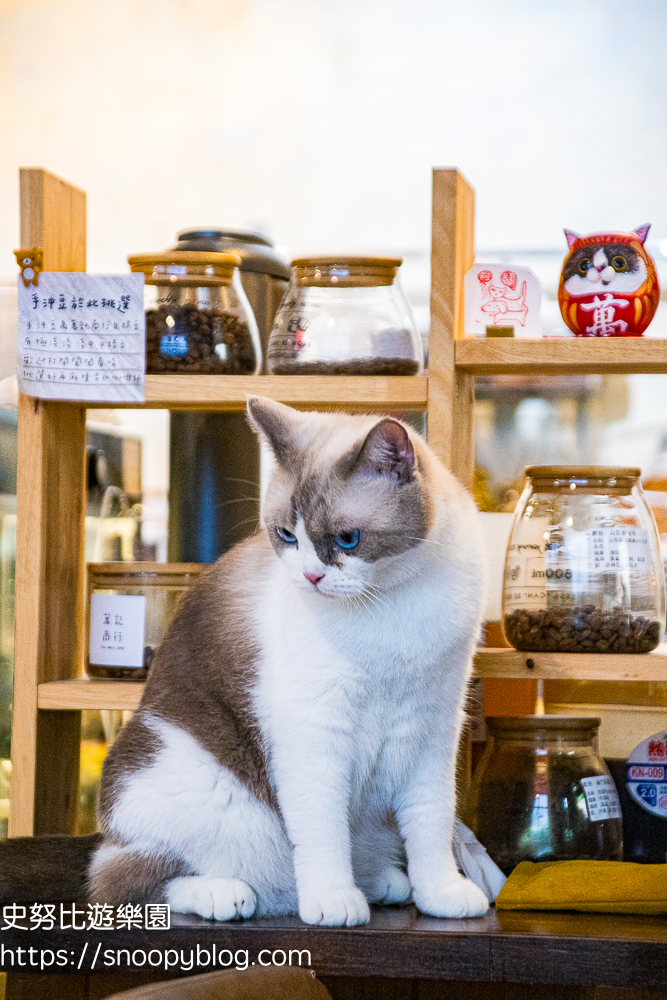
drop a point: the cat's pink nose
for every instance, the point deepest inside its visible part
(314, 578)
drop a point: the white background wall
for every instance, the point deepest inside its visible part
(319, 120)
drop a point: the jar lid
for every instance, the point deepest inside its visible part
(142, 574)
(345, 271)
(591, 479)
(522, 725)
(185, 267)
(598, 472)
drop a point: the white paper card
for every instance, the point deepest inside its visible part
(82, 336)
(117, 627)
(502, 295)
(620, 548)
(601, 797)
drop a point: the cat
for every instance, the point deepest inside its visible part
(294, 750)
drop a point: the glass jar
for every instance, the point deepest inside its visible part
(542, 793)
(130, 606)
(198, 318)
(345, 316)
(583, 572)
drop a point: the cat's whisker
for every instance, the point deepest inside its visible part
(224, 503)
(430, 541)
(383, 603)
(248, 482)
(246, 520)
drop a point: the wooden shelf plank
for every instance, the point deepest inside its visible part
(83, 693)
(570, 356)
(94, 694)
(509, 663)
(307, 392)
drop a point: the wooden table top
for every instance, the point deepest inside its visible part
(504, 946)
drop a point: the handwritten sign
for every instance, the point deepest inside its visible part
(82, 336)
(501, 295)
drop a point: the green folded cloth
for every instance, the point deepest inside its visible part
(605, 886)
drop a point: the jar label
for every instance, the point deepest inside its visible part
(525, 576)
(173, 345)
(601, 797)
(544, 572)
(117, 626)
(619, 548)
(647, 774)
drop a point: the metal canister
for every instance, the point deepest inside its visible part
(265, 273)
(214, 481)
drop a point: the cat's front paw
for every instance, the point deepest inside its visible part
(460, 898)
(212, 898)
(390, 886)
(335, 907)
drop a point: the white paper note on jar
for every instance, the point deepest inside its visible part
(117, 628)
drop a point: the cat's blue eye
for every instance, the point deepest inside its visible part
(286, 535)
(348, 539)
(585, 265)
(619, 263)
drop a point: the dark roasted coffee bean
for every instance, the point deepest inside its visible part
(581, 630)
(360, 366)
(199, 331)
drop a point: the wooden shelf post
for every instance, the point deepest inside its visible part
(451, 392)
(49, 546)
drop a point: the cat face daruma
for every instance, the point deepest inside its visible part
(347, 500)
(608, 285)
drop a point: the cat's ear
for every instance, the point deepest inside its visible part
(571, 237)
(274, 422)
(387, 451)
(641, 232)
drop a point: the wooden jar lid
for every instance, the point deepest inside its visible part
(183, 267)
(345, 271)
(524, 726)
(616, 480)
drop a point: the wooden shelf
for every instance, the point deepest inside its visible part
(82, 693)
(570, 356)
(509, 663)
(229, 392)
(93, 694)
(575, 952)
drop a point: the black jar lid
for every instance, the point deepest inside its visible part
(256, 250)
(523, 726)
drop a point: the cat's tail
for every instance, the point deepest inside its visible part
(45, 869)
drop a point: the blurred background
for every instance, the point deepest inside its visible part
(317, 122)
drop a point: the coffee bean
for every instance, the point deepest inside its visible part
(362, 366)
(204, 341)
(581, 629)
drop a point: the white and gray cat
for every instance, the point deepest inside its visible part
(295, 747)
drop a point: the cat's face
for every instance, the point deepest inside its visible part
(614, 267)
(614, 262)
(347, 501)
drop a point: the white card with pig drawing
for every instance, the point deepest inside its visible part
(502, 295)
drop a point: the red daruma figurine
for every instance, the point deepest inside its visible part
(608, 286)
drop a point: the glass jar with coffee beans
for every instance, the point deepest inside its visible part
(130, 606)
(541, 792)
(583, 572)
(198, 318)
(345, 316)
